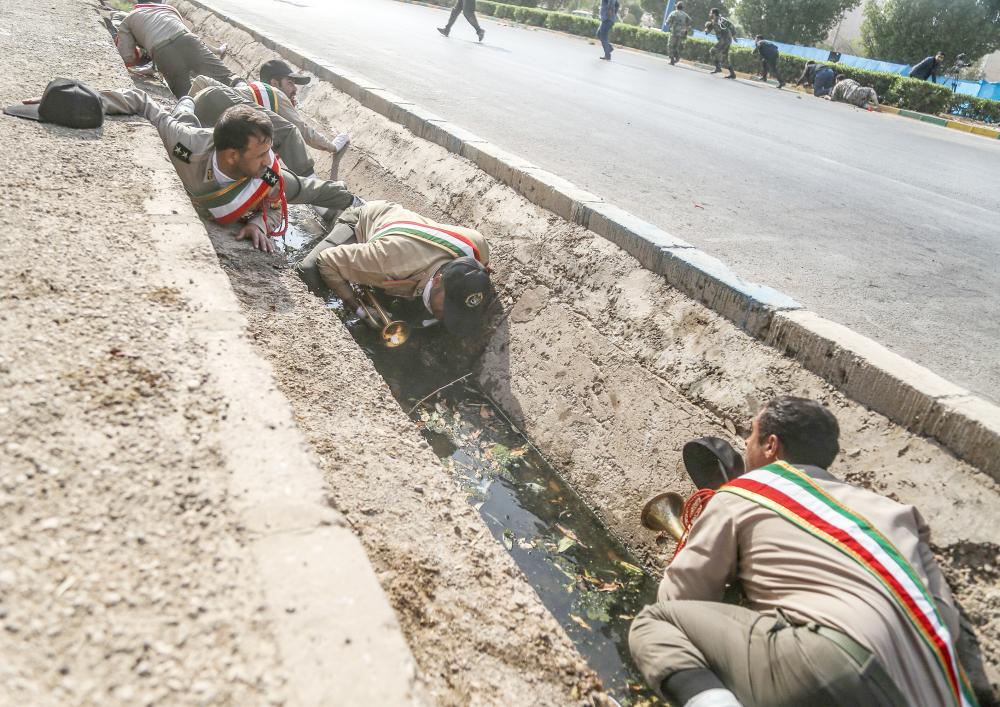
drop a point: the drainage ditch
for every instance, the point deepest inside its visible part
(582, 573)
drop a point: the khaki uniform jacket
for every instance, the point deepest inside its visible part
(400, 265)
(190, 149)
(149, 28)
(784, 567)
(286, 110)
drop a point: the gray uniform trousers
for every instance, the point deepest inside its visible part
(212, 102)
(467, 8)
(762, 659)
(308, 268)
(186, 56)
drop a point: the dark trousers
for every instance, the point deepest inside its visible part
(602, 34)
(186, 56)
(769, 66)
(467, 8)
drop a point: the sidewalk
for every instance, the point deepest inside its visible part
(164, 532)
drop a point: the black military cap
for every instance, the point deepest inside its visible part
(277, 69)
(65, 102)
(711, 462)
(467, 295)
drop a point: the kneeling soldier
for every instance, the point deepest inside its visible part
(230, 172)
(381, 244)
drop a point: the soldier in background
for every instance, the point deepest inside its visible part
(850, 91)
(725, 33)
(177, 53)
(678, 24)
(467, 8)
(768, 53)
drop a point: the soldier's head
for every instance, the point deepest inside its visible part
(461, 293)
(759, 38)
(840, 77)
(280, 75)
(939, 57)
(679, 6)
(714, 12)
(243, 138)
(797, 430)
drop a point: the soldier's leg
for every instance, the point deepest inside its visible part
(469, 10)
(672, 48)
(455, 12)
(201, 60)
(727, 63)
(318, 192)
(171, 64)
(290, 146)
(716, 53)
(308, 269)
(210, 103)
(763, 69)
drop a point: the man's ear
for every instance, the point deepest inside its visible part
(772, 447)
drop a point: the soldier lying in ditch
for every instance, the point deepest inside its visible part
(382, 245)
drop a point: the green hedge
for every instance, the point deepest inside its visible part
(892, 89)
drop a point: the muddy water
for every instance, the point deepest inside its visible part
(584, 576)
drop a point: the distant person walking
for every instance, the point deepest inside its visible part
(821, 76)
(609, 13)
(467, 8)
(768, 53)
(678, 24)
(928, 68)
(725, 33)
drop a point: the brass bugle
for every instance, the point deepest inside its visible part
(663, 513)
(394, 332)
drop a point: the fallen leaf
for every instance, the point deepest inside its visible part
(698, 206)
(609, 587)
(565, 544)
(570, 534)
(485, 412)
(579, 622)
(508, 538)
(630, 568)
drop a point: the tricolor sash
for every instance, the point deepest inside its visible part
(264, 95)
(455, 244)
(800, 500)
(245, 197)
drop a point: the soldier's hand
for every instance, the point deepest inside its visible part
(258, 238)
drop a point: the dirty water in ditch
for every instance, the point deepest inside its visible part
(584, 576)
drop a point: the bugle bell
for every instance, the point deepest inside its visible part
(663, 513)
(394, 332)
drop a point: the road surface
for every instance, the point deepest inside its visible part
(884, 224)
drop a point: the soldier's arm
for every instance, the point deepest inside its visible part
(200, 83)
(312, 137)
(173, 132)
(936, 582)
(357, 263)
(708, 561)
(126, 44)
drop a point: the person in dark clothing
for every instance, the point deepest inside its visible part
(768, 54)
(821, 76)
(467, 8)
(928, 68)
(609, 14)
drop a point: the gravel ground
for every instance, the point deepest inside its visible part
(123, 575)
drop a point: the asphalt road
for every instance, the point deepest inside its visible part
(884, 224)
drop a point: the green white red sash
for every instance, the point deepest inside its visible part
(245, 197)
(264, 95)
(800, 500)
(451, 242)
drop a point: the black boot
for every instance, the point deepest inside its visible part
(443, 30)
(732, 74)
(718, 68)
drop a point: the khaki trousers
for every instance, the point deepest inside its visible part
(210, 103)
(186, 56)
(763, 660)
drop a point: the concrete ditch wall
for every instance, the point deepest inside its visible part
(610, 370)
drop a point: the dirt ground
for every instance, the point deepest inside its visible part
(651, 369)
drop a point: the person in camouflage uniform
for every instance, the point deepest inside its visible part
(678, 24)
(725, 33)
(850, 91)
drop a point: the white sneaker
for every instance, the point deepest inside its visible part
(340, 142)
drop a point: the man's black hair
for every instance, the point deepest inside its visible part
(679, 6)
(807, 430)
(759, 37)
(840, 77)
(237, 124)
(714, 11)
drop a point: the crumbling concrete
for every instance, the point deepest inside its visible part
(610, 370)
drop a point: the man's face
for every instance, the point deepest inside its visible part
(286, 86)
(759, 452)
(437, 298)
(254, 158)
(940, 58)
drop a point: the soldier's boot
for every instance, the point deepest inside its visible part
(718, 68)
(732, 74)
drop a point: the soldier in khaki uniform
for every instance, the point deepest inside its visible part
(678, 24)
(850, 91)
(380, 244)
(230, 172)
(178, 54)
(275, 93)
(845, 604)
(725, 33)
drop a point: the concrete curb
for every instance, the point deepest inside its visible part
(943, 122)
(869, 373)
(338, 636)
